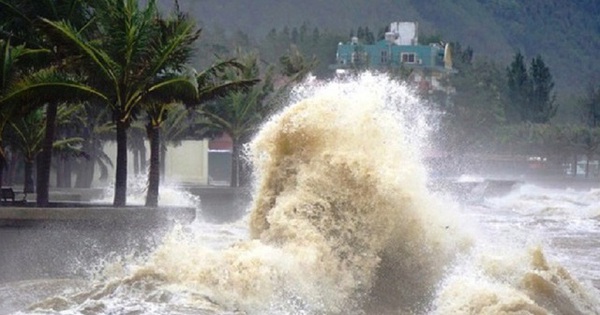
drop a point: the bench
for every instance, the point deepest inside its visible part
(7, 194)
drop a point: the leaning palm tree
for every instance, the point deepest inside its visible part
(125, 54)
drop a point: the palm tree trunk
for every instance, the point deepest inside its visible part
(154, 172)
(2, 163)
(45, 158)
(10, 169)
(143, 166)
(67, 171)
(28, 187)
(163, 160)
(85, 173)
(60, 173)
(587, 164)
(235, 163)
(120, 198)
(136, 162)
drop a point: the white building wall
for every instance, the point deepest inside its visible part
(186, 163)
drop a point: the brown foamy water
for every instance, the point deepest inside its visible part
(341, 222)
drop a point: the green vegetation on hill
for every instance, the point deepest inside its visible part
(566, 33)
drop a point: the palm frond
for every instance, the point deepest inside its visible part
(47, 85)
(208, 93)
(66, 35)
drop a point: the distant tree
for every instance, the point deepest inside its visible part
(430, 39)
(584, 137)
(462, 58)
(303, 32)
(582, 141)
(295, 66)
(364, 35)
(542, 97)
(475, 111)
(285, 33)
(531, 95)
(519, 89)
(369, 37)
(360, 33)
(382, 30)
(316, 35)
(295, 36)
(590, 106)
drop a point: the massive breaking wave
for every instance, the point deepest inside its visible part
(342, 222)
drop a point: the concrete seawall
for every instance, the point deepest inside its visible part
(75, 238)
(68, 241)
(94, 216)
(217, 204)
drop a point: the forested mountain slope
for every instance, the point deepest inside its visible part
(565, 33)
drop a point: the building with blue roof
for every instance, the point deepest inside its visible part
(427, 64)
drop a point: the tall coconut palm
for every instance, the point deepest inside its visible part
(161, 108)
(35, 89)
(23, 88)
(126, 53)
(21, 22)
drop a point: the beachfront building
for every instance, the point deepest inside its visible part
(425, 66)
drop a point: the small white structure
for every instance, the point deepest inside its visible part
(405, 33)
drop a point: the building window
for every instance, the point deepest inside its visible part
(384, 56)
(408, 58)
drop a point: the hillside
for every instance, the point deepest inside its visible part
(565, 33)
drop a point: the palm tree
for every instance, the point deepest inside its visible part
(162, 108)
(26, 136)
(9, 74)
(28, 133)
(137, 146)
(240, 113)
(125, 54)
(22, 23)
(157, 114)
(96, 130)
(23, 88)
(19, 19)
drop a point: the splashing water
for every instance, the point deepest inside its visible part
(341, 223)
(170, 194)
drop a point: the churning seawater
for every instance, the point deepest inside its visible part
(342, 222)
